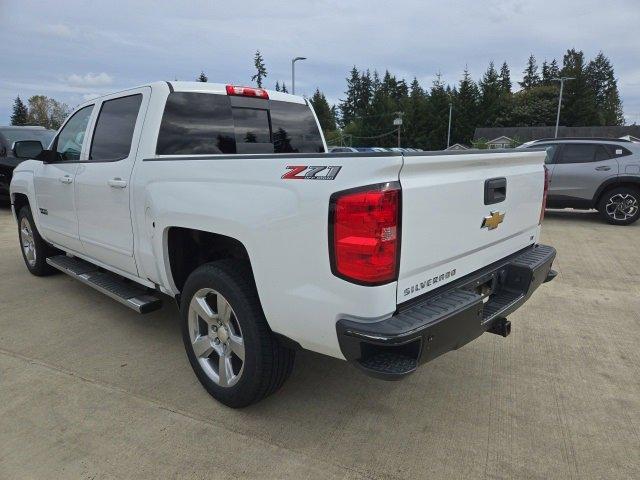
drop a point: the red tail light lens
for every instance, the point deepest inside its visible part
(247, 92)
(544, 195)
(364, 234)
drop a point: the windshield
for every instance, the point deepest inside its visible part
(18, 134)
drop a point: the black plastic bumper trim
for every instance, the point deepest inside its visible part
(446, 319)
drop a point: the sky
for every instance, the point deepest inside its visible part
(74, 50)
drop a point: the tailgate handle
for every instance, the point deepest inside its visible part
(495, 190)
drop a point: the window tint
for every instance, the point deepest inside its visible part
(602, 154)
(577, 153)
(114, 128)
(617, 151)
(252, 130)
(294, 129)
(551, 149)
(196, 124)
(69, 142)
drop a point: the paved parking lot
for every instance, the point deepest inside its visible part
(89, 389)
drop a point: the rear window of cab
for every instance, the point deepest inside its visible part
(208, 124)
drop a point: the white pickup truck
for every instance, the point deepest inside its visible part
(223, 198)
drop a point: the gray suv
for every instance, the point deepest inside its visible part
(600, 173)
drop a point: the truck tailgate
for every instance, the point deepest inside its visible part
(444, 206)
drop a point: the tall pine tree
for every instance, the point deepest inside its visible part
(490, 93)
(20, 113)
(602, 81)
(579, 100)
(202, 77)
(261, 69)
(465, 106)
(348, 105)
(323, 111)
(531, 78)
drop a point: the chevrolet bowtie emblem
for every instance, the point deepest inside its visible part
(492, 221)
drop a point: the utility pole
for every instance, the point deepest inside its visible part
(561, 80)
(293, 73)
(449, 129)
(398, 122)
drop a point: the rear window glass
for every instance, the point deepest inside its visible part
(294, 129)
(578, 153)
(203, 123)
(196, 123)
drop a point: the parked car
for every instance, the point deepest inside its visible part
(18, 143)
(222, 198)
(600, 173)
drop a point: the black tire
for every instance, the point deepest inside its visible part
(267, 363)
(628, 194)
(42, 249)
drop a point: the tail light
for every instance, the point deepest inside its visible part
(237, 91)
(364, 234)
(544, 195)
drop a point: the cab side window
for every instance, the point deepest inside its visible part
(113, 134)
(68, 145)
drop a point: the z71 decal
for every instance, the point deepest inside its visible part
(305, 172)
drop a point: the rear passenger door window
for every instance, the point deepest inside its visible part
(577, 153)
(114, 128)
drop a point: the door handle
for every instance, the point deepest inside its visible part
(117, 183)
(603, 168)
(66, 179)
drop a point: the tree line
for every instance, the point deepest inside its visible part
(371, 102)
(365, 117)
(39, 110)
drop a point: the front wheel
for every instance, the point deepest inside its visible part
(34, 249)
(234, 354)
(620, 206)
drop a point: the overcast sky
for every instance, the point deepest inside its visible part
(72, 50)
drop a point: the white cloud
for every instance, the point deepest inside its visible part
(59, 30)
(90, 80)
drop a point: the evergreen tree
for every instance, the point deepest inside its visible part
(261, 70)
(465, 105)
(549, 72)
(579, 100)
(601, 80)
(437, 115)
(415, 128)
(277, 87)
(20, 112)
(348, 105)
(490, 96)
(323, 111)
(202, 77)
(284, 88)
(505, 78)
(531, 77)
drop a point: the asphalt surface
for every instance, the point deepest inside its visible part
(91, 390)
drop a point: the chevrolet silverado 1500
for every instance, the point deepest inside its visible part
(224, 198)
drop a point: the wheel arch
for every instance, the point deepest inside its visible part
(621, 181)
(188, 248)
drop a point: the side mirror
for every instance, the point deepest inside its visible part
(27, 148)
(47, 156)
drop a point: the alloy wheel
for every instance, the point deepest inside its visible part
(216, 337)
(27, 241)
(622, 206)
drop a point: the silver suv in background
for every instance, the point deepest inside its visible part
(600, 173)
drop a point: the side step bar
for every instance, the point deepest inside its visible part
(128, 293)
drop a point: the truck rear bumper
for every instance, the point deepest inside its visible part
(447, 318)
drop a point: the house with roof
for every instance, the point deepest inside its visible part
(500, 142)
(457, 146)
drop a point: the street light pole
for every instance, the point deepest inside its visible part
(449, 129)
(561, 80)
(293, 73)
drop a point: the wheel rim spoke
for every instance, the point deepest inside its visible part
(224, 309)
(237, 345)
(203, 309)
(27, 241)
(202, 347)
(225, 370)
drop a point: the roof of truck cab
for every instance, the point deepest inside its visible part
(221, 88)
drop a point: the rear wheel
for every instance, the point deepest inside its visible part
(231, 349)
(34, 249)
(620, 206)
